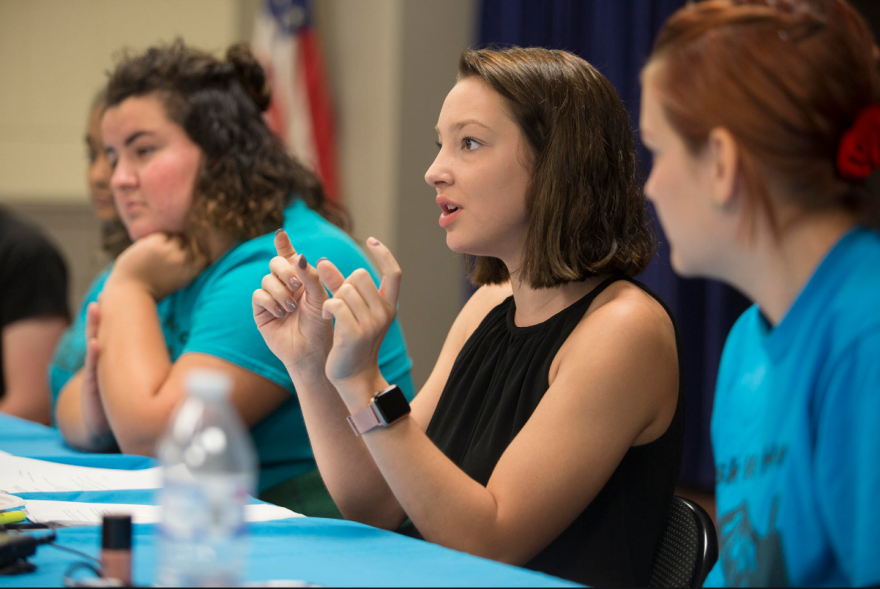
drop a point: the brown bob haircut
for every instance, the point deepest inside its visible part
(587, 214)
(246, 176)
(787, 78)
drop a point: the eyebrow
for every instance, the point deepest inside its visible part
(135, 136)
(465, 123)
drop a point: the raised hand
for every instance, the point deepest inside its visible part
(363, 315)
(288, 310)
(94, 416)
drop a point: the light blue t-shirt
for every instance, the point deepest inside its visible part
(214, 316)
(796, 433)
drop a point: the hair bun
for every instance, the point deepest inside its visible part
(251, 74)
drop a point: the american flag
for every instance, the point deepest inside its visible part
(301, 111)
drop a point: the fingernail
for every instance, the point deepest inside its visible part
(291, 306)
(279, 231)
(294, 283)
(319, 261)
(279, 311)
(302, 261)
(373, 241)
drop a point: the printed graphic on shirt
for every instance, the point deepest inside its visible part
(750, 466)
(749, 560)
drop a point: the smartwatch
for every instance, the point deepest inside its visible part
(388, 407)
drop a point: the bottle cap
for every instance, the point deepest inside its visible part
(116, 532)
(210, 385)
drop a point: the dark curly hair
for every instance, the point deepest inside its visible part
(246, 176)
(587, 213)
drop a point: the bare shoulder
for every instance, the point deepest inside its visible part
(626, 308)
(625, 348)
(631, 331)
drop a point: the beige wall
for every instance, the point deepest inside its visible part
(362, 43)
(390, 64)
(53, 55)
(434, 35)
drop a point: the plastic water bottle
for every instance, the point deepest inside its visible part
(209, 467)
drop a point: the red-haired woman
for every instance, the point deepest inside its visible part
(764, 121)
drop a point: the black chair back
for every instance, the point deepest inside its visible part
(688, 547)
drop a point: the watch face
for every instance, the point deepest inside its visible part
(392, 405)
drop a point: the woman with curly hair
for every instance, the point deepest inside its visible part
(763, 117)
(200, 183)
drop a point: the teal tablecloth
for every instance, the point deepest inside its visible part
(320, 551)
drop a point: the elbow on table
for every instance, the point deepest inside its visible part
(141, 443)
(370, 515)
(137, 436)
(139, 428)
(492, 544)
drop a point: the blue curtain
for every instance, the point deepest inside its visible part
(616, 37)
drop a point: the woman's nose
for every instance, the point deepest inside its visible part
(123, 177)
(439, 173)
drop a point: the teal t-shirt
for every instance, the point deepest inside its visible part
(796, 433)
(214, 316)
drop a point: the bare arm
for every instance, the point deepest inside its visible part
(138, 384)
(28, 345)
(349, 471)
(616, 381)
(302, 339)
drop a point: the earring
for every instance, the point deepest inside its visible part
(721, 208)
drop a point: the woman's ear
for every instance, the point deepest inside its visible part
(723, 157)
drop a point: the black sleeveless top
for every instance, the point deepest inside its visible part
(496, 383)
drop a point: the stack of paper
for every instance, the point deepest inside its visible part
(72, 513)
(27, 475)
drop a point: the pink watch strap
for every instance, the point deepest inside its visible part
(364, 420)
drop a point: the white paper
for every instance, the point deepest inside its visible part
(8, 502)
(73, 513)
(27, 475)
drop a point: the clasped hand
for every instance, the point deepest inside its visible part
(159, 263)
(92, 407)
(295, 316)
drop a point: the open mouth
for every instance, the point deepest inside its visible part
(448, 211)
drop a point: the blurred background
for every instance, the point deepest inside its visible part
(387, 65)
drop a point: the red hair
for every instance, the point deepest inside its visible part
(787, 78)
